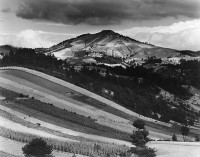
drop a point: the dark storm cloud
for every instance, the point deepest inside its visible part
(105, 12)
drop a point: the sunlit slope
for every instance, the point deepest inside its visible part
(109, 43)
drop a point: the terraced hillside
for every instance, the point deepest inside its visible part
(41, 105)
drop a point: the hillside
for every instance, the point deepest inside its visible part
(109, 43)
(34, 98)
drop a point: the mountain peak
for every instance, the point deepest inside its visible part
(107, 32)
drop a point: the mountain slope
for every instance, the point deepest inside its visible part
(109, 43)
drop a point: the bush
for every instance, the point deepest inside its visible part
(139, 124)
(37, 148)
(174, 138)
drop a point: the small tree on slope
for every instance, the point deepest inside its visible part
(184, 131)
(140, 124)
(174, 138)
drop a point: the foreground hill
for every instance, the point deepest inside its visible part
(109, 43)
(53, 104)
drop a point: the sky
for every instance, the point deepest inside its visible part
(43, 23)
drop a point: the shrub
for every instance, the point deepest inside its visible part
(174, 138)
(37, 148)
(139, 124)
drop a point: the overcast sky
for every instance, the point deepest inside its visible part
(43, 23)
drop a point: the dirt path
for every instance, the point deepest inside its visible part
(176, 149)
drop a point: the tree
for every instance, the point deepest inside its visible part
(140, 124)
(197, 138)
(174, 138)
(184, 131)
(37, 148)
(139, 138)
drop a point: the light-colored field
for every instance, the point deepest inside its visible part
(11, 147)
(176, 149)
(4, 154)
(21, 128)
